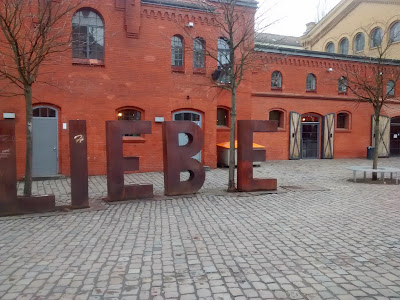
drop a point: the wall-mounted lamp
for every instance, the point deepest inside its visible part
(190, 25)
(330, 70)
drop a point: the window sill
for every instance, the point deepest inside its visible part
(133, 139)
(276, 89)
(280, 129)
(199, 71)
(223, 128)
(342, 93)
(311, 91)
(342, 130)
(178, 69)
(88, 62)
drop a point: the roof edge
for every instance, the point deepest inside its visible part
(325, 55)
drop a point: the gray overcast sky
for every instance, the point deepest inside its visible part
(292, 15)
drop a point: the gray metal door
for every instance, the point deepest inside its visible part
(45, 142)
(188, 116)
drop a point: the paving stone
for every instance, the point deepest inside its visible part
(339, 243)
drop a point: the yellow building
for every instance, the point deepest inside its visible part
(357, 27)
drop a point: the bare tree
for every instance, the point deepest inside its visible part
(321, 9)
(235, 27)
(33, 31)
(374, 82)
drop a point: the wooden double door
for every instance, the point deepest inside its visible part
(311, 136)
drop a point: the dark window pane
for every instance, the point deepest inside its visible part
(342, 120)
(195, 117)
(178, 117)
(222, 117)
(43, 112)
(52, 113)
(275, 115)
(36, 112)
(198, 54)
(311, 82)
(330, 48)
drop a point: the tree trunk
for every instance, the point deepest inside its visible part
(29, 143)
(231, 182)
(377, 142)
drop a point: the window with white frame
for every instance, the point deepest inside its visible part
(311, 84)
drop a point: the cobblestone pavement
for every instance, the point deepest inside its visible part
(341, 243)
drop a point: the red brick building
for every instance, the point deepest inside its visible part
(132, 59)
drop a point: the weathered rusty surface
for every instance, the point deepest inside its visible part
(117, 164)
(179, 159)
(36, 204)
(8, 169)
(246, 155)
(78, 164)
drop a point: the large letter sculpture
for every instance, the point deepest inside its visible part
(8, 172)
(78, 164)
(246, 156)
(179, 159)
(117, 163)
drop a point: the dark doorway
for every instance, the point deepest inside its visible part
(395, 137)
(310, 137)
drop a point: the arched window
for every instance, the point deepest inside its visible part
(276, 80)
(376, 37)
(129, 115)
(223, 60)
(177, 51)
(198, 53)
(87, 35)
(390, 88)
(44, 112)
(342, 85)
(344, 46)
(395, 32)
(223, 52)
(330, 47)
(343, 120)
(222, 117)
(277, 115)
(359, 42)
(311, 84)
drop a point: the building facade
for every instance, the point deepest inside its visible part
(357, 27)
(133, 60)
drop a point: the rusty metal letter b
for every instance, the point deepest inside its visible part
(179, 159)
(246, 155)
(117, 164)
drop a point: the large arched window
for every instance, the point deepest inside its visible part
(87, 35)
(376, 37)
(276, 80)
(395, 32)
(344, 46)
(198, 53)
(177, 51)
(311, 84)
(390, 88)
(359, 42)
(330, 47)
